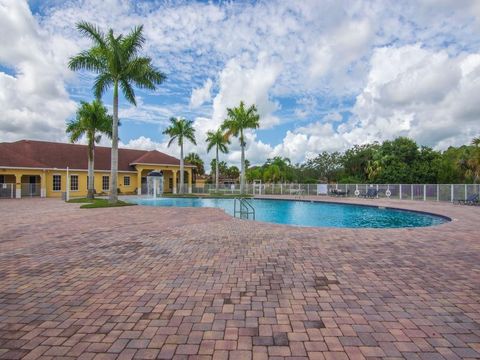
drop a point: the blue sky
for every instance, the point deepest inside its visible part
(325, 75)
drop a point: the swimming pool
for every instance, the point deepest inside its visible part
(306, 213)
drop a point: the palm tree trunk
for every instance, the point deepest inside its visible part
(113, 198)
(216, 173)
(181, 169)
(90, 185)
(242, 165)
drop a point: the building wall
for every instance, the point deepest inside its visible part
(19, 176)
(46, 179)
(82, 183)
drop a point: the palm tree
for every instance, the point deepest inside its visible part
(239, 119)
(116, 61)
(92, 120)
(180, 130)
(194, 159)
(220, 141)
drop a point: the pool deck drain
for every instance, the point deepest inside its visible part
(144, 282)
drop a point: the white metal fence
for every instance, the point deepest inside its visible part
(7, 191)
(31, 189)
(425, 192)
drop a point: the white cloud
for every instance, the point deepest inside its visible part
(143, 143)
(307, 106)
(201, 95)
(335, 54)
(251, 84)
(333, 117)
(33, 100)
(411, 91)
(420, 93)
(417, 77)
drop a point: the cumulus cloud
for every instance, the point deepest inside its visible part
(33, 98)
(251, 85)
(421, 93)
(308, 63)
(201, 95)
(411, 91)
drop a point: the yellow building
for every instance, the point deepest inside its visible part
(39, 168)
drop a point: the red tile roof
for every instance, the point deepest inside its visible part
(155, 157)
(44, 154)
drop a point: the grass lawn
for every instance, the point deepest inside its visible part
(98, 203)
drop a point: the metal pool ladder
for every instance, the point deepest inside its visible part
(243, 209)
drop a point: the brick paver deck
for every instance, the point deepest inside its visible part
(145, 283)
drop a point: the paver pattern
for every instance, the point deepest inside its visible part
(160, 283)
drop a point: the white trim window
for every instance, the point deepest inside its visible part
(105, 183)
(126, 181)
(57, 183)
(73, 182)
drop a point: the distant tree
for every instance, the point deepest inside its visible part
(116, 61)
(92, 121)
(180, 130)
(233, 172)
(473, 163)
(393, 161)
(278, 169)
(254, 173)
(238, 120)
(218, 140)
(355, 162)
(194, 159)
(325, 166)
(222, 168)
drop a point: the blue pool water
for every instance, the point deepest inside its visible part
(302, 213)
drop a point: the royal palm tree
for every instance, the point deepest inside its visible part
(238, 120)
(116, 61)
(219, 140)
(180, 130)
(92, 121)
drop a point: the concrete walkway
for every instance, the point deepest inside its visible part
(143, 282)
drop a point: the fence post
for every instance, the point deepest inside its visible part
(411, 191)
(424, 192)
(400, 191)
(466, 192)
(438, 192)
(451, 193)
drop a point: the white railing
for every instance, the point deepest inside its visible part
(7, 190)
(423, 192)
(31, 189)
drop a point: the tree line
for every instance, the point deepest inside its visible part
(400, 160)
